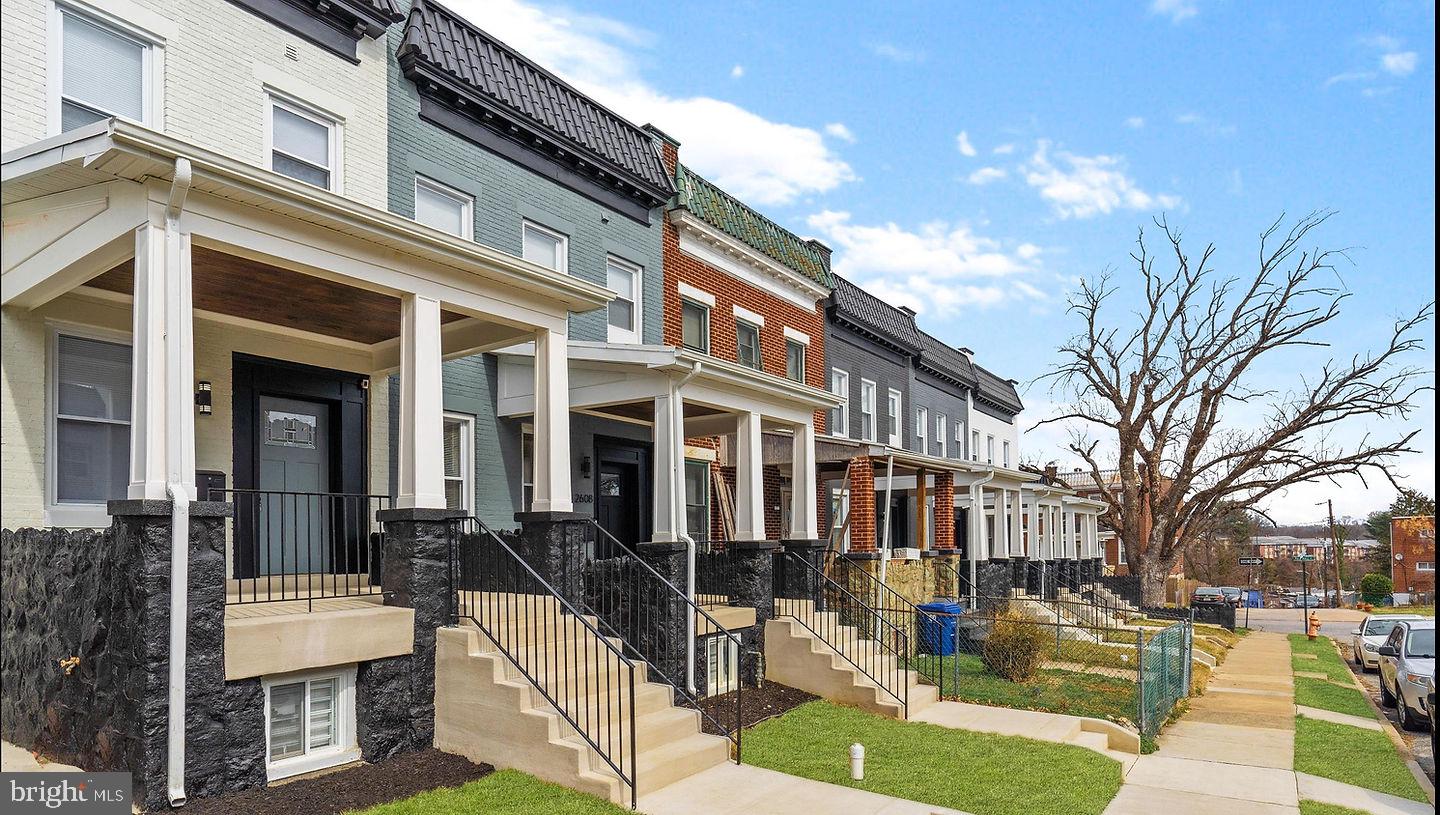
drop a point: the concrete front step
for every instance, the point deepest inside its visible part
(795, 656)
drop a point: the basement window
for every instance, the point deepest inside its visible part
(722, 665)
(309, 722)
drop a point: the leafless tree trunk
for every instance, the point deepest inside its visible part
(1146, 392)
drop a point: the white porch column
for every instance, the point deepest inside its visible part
(1016, 519)
(662, 437)
(1094, 529)
(162, 377)
(979, 539)
(420, 475)
(749, 480)
(804, 525)
(1001, 547)
(552, 423)
(1037, 545)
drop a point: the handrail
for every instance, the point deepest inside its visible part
(733, 733)
(528, 588)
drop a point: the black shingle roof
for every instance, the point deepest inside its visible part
(997, 391)
(514, 95)
(869, 312)
(946, 360)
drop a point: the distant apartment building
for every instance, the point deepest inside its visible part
(1412, 555)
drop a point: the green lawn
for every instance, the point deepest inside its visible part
(1330, 696)
(507, 792)
(1317, 808)
(1072, 692)
(1352, 755)
(960, 769)
(1424, 611)
(1327, 659)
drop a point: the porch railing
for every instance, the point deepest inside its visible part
(308, 546)
(714, 572)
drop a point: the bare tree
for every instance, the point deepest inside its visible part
(1147, 393)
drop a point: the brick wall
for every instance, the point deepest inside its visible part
(862, 504)
(944, 510)
(1414, 540)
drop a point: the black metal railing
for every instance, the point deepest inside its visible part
(652, 615)
(858, 632)
(714, 572)
(303, 545)
(580, 671)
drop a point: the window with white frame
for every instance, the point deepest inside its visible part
(89, 406)
(840, 416)
(695, 326)
(309, 721)
(102, 70)
(544, 246)
(974, 445)
(940, 433)
(527, 468)
(892, 418)
(989, 449)
(697, 498)
(747, 344)
(722, 664)
(867, 410)
(960, 440)
(1005, 451)
(444, 208)
(922, 430)
(1425, 566)
(795, 360)
(459, 458)
(303, 144)
(623, 278)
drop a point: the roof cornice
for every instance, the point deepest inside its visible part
(688, 223)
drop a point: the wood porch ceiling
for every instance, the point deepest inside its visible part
(240, 287)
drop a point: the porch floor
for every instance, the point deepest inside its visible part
(279, 608)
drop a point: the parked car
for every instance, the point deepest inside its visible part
(1307, 601)
(1407, 671)
(1233, 595)
(1208, 596)
(1365, 641)
(1430, 700)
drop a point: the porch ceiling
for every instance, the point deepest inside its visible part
(241, 287)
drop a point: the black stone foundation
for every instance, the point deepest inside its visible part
(663, 640)
(554, 544)
(1018, 568)
(992, 582)
(793, 581)
(752, 585)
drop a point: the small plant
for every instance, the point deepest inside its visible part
(1015, 648)
(1375, 587)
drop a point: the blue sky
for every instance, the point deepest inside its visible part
(974, 160)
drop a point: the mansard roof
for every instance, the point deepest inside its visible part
(999, 392)
(946, 360)
(869, 313)
(730, 215)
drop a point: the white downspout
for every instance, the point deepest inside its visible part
(977, 530)
(175, 489)
(677, 507)
(885, 541)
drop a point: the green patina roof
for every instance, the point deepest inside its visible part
(726, 213)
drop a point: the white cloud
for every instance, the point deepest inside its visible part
(936, 269)
(1086, 186)
(1350, 76)
(1382, 42)
(985, 175)
(840, 131)
(1213, 128)
(962, 143)
(1177, 10)
(737, 72)
(1400, 63)
(1135, 122)
(895, 53)
(1004, 149)
(761, 160)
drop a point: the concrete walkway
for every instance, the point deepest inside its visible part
(15, 759)
(740, 789)
(1106, 738)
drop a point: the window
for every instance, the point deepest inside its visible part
(959, 440)
(940, 433)
(795, 360)
(695, 326)
(922, 430)
(90, 422)
(101, 71)
(747, 344)
(459, 439)
(303, 144)
(544, 246)
(974, 445)
(1425, 566)
(697, 498)
(892, 418)
(443, 208)
(989, 449)
(309, 722)
(840, 416)
(623, 278)
(1120, 546)
(1005, 449)
(867, 410)
(527, 469)
(722, 664)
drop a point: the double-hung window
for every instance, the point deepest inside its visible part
(892, 418)
(922, 431)
(840, 416)
(940, 433)
(459, 439)
(527, 468)
(309, 722)
(795, 360)
(747, 344)
(101, 71)
(695, 326)
(304, 144)
(960, 440)
(623, 278)
(1005, 458)
(867, 410)
(989, 449)
(697, 498)
(90, 426)
(544, 246)
(444, 208)
(974, 445)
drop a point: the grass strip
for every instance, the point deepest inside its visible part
(1317, 808)
(506, 792)
(1326, 661)
(1329, 696)
(1075, 693)
(1353, 755)
(960, 769)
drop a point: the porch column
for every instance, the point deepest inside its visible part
(421, 471)
(1037, 546)
(162, 376)
(922, 497)
(804, 523)
(749, 480)
(552, 423)
(1017, 527)
(662, 437)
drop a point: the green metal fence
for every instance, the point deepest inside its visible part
(1164, 673)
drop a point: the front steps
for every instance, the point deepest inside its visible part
(488, 711)
(795, 656)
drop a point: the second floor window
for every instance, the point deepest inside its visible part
(892, 419)
(922, 430)
(989, 449)
(867, 410)
(545, 247)
(975, 445)
(795, 360)
(840, 417)
(103, 72)
(747, 344)
(444, 208)
(1005, 450)
(303, 144)
(959, 440)
(623, 279)
(940, 433)
(695, 326)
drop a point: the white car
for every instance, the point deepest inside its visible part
(1365, 641)
(1407, 671)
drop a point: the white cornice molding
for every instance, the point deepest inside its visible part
(736, 258)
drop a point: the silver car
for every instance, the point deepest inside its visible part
(1407, 671)
(1365, 641)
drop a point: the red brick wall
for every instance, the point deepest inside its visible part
(1414, 540)
(945, 510)
(773, 506)
(862, 504)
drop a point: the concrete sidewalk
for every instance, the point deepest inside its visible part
(740, 789)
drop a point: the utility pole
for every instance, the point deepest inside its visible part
(1337, 554)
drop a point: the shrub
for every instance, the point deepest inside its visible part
(1015, 648)
(1375, 587)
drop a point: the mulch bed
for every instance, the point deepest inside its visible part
(354, 788)
(756, 705)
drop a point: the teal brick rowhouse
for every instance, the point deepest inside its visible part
(506, 194)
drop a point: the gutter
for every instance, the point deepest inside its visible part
(179, 495)
(977, 524)
(677, 491)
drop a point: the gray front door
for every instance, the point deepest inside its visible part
(293, 440)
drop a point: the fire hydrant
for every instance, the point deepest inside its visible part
(1313, 628)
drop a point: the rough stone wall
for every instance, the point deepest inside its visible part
(384, 698)
(912, 579)
(992, 578)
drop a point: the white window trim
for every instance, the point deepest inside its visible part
(343, 751)
(897, 438)
(842, 410)
(804, 359)
(960, 440)
(974, 445)
(707, 309)
(465, 199)
(941, 429)
(745, 314)
(1424, 565)
(564, 251)
(69, 515)
(922, 430)
(467, 459)
(869, 433)
(119, 20)
(1005, 454)
(798, 336)
(990, 450)
(612, 333)
(275, 98)
(717, 684)
(699, 296)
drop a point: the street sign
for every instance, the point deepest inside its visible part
(1307, 558)
(1252, 561)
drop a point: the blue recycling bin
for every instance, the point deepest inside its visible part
(937, 629)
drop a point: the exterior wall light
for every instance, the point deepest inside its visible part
(203, 402)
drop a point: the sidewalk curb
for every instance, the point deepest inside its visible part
(1387, 728)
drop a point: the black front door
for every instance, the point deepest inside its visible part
(622, 492)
